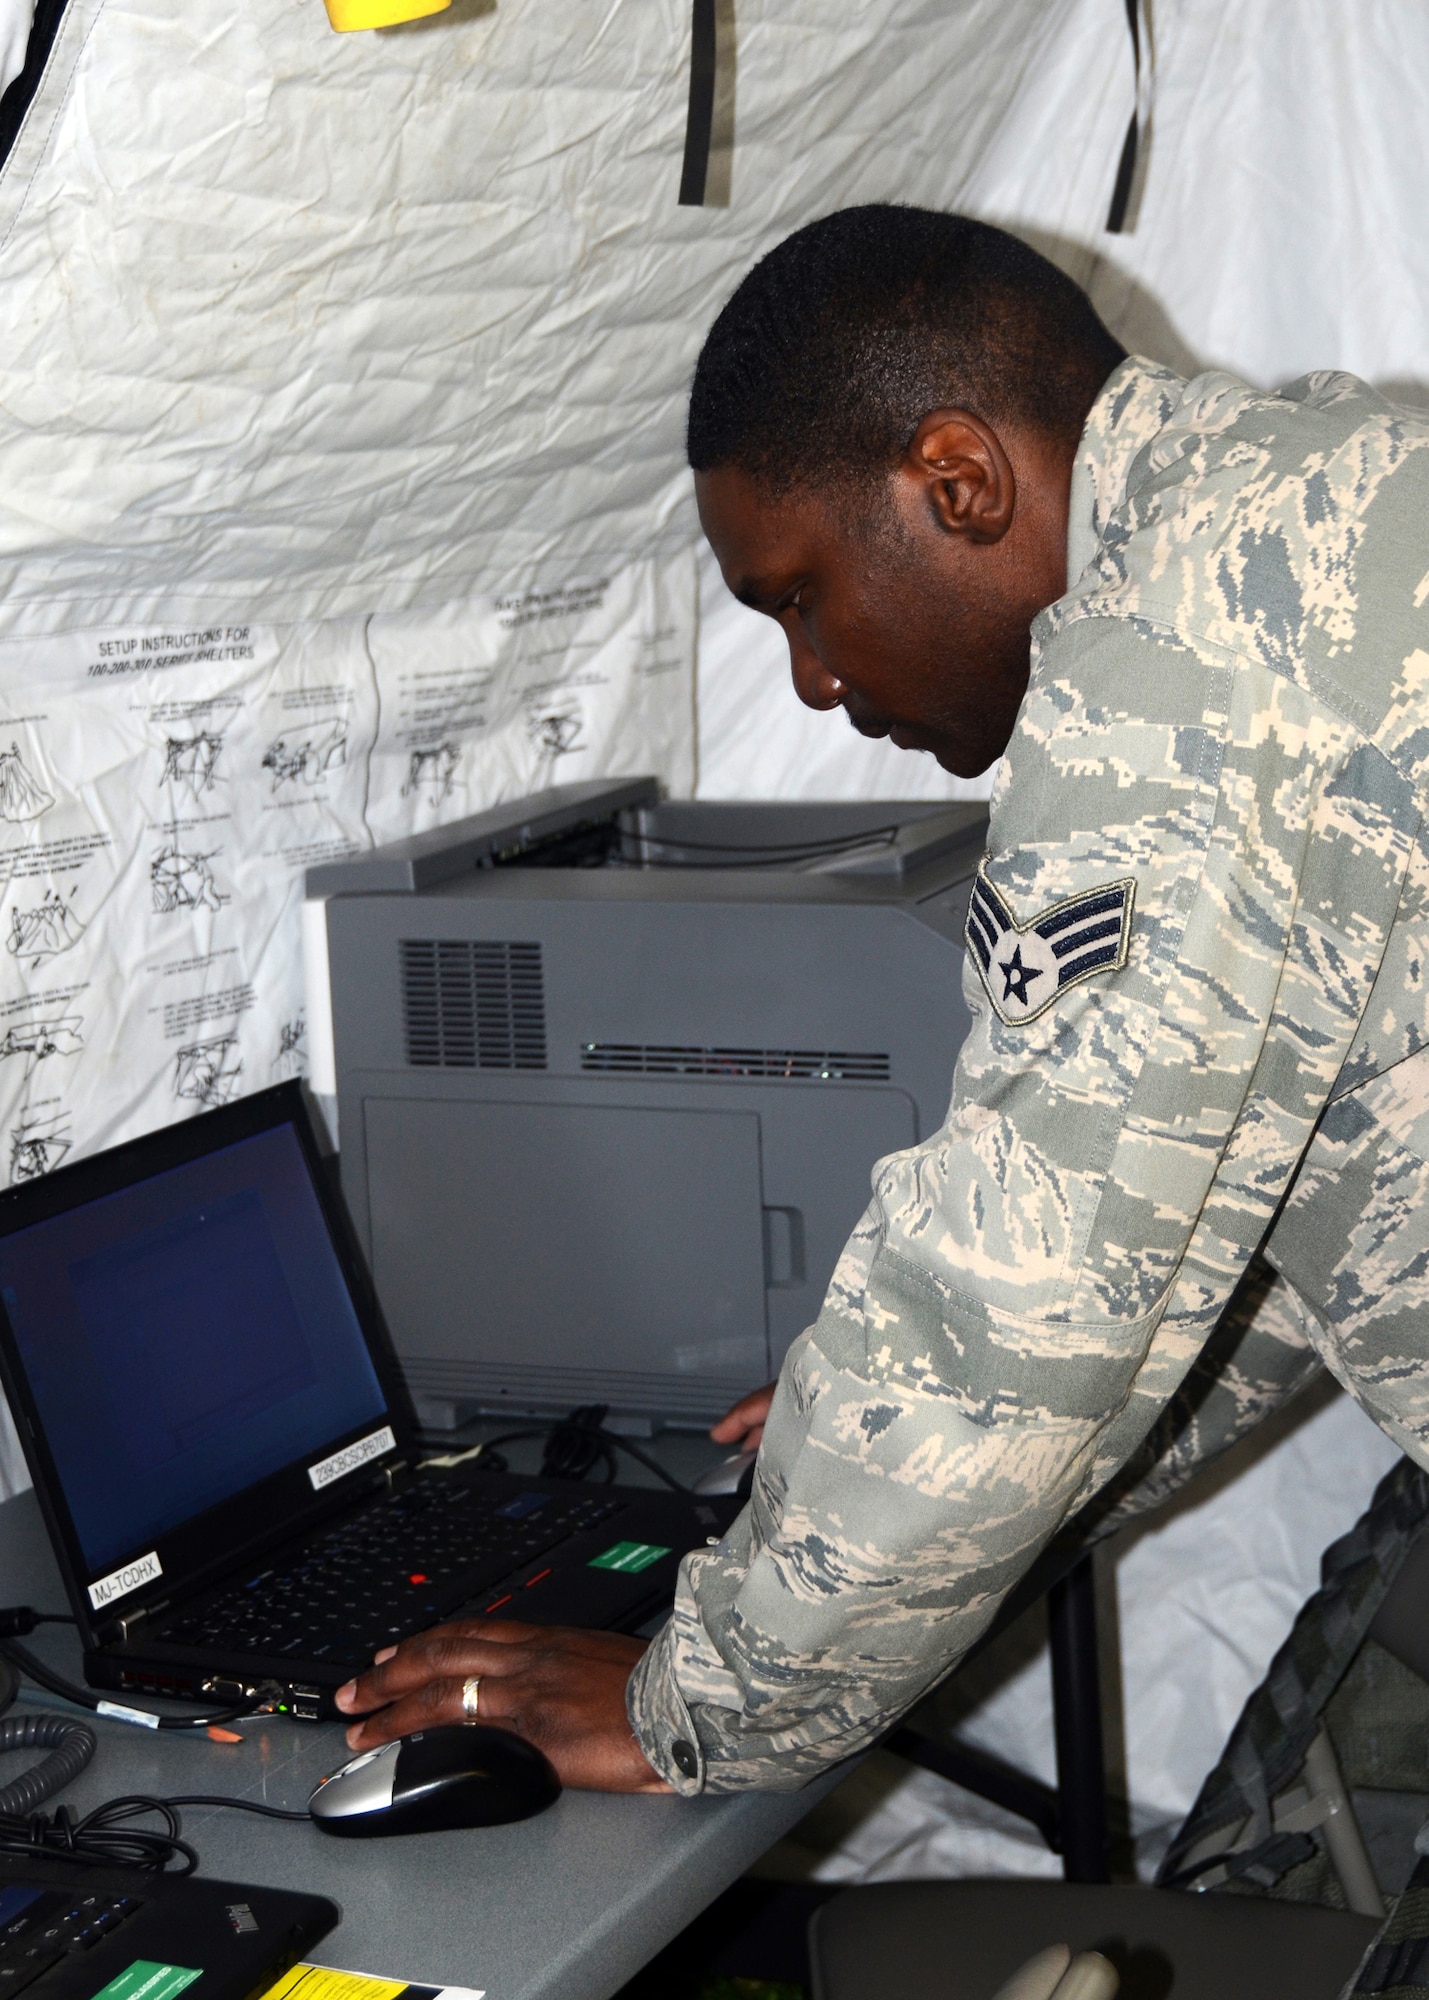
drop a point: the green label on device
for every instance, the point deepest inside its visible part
(627, 1556)
(146, 1979)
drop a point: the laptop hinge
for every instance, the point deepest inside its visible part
(122, 1629)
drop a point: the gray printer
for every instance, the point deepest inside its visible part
(612, 1073)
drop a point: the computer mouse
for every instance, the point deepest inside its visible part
(465, 1775)
(732, 1475)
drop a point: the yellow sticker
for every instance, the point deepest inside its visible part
(320, 1982)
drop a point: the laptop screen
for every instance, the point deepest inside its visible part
(186, 1337)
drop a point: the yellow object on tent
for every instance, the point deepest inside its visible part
(346, 15)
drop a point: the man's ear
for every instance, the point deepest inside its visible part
(965, 474)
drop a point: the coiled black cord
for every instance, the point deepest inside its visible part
(106, 1838)
(71, 1745)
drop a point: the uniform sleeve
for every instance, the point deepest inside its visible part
(1261, 1356)
(1029, 1287)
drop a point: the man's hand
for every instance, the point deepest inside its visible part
(744, 1424)
(562, 1690)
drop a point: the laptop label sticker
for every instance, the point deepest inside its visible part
(119, 1582)
(350, 1457)
(146, 1979)
(628, 1557)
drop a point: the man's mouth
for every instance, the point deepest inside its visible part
(866, 722)
(903, 735)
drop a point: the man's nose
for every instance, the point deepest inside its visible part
(815, 686)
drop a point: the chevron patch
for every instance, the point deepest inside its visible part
(1025, 967)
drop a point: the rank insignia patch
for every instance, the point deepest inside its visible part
(1025, 967)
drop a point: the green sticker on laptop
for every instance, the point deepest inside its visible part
(628, 1557)
(146, 1979)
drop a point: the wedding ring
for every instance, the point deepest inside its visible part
(470, 1695)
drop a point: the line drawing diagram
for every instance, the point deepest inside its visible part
(192, 761)
(22, 796)
(38, 1040)
(307, 759)
(208, 1072)
(43, 930)
(432, 772)
(558, 732)
(38, 1144)
(292, 1056)
(183, 881)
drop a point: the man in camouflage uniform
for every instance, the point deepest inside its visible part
(1189, 1126)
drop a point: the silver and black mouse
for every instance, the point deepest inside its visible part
(734, 1474)
(465, 1775)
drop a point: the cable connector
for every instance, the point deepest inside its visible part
(18, 1621)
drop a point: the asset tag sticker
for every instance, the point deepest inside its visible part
(146, 1979)
(350, 1457)
(628, 1557)
(319, 1982)
(119, 1582)
(1025, 967)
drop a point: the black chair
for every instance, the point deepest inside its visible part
(962, 1940)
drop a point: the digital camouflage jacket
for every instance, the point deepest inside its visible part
(1197, 1076)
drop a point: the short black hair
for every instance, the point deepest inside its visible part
(840, 341)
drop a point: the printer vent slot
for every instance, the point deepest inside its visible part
(472, 1005)
(789, 1065)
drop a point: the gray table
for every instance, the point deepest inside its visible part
(566, 1906)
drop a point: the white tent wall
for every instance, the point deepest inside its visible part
(15, 19)
(341, 387)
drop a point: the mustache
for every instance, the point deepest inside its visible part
(865, 719)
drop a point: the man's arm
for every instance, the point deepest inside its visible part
(1030, 1286)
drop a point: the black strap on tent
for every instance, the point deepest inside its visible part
(1396, 1966)
(19, 95)
(1126, 170)
(1267, 1748)
(699, 123)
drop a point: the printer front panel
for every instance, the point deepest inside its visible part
(605, 1150)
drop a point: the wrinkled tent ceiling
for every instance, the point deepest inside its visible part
(341, 493)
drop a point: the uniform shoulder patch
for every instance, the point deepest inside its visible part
(1025, 967)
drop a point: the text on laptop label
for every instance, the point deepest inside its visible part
(350, 1457)
(119, 1582)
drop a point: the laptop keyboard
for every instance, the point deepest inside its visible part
(53, 1923)
(396, 1569)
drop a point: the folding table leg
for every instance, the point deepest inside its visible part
(1077, 1717)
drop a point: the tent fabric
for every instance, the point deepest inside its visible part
(321, 324)
(15, 19)
(341, 386)
(341, 483)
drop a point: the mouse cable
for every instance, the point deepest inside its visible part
(648, 1460)
(21, 1658)
(106, 1838)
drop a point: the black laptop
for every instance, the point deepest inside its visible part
(223, 1448)
(70, 1932)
